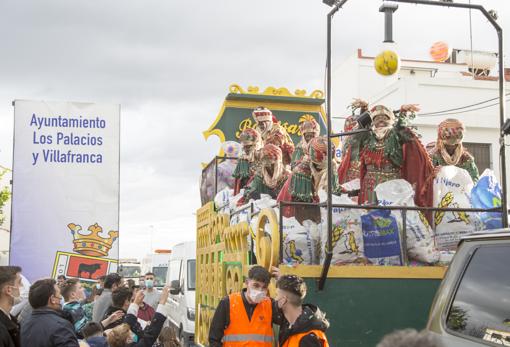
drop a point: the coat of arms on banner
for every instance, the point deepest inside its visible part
(91, 258)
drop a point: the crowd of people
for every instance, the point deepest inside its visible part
(61, 315)
(58, 312)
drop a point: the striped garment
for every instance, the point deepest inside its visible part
(78, 313)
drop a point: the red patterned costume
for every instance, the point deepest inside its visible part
(271, 132)
(394, 151)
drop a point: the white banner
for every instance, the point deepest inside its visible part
(65, 206)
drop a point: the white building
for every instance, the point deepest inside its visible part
(435, 87)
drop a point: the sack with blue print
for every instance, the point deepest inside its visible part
(381, 239)
(487, 194)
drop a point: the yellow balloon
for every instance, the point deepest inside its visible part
(387, 63)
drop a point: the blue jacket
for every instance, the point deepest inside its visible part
(47, 328)
(97, 341)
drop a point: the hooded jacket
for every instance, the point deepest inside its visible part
(312, 318)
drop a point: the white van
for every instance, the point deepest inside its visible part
(181, 278)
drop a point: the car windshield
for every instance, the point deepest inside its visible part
(160, 275)
(481, 308)
(130, 271)
(191, 274)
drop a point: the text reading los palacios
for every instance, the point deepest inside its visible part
(54, 132)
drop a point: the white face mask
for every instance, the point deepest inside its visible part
(16, 297)
(256, 295)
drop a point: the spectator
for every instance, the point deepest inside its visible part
(61, 279)
(121, 298)
(251, 302)
(141, 282)
(10, 294)
(151, 294)
(111, 283)
(167, 338)
(123, 336)
(74, 297)
(410, 338)
(305, 325)
(93, 334)
(146, 312)
(47, 327)
(100, 283)
(16, 310)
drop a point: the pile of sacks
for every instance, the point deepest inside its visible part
(363, 236)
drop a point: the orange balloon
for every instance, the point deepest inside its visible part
(440, 51)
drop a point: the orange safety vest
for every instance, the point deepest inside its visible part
(293, 340)
(242, 332)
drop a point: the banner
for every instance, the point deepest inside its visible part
(65, 206)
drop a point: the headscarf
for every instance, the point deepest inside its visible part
(450, 132)
(378, 111)
(272, 154)
(262, 114)
(318, 153)
(250, 137)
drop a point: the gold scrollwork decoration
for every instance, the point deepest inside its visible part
(282, 91)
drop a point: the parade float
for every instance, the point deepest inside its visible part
(371, 229)
(376, 270)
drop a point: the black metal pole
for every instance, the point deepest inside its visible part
(501, 85)
(329, 248)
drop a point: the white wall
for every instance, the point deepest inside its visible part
(434, 86)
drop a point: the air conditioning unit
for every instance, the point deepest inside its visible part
(479, 62)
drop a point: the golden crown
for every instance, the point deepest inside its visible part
(92, 243)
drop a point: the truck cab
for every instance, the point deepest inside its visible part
(472, 304)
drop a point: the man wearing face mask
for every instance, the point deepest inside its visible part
(151, 294)
(246, 318)
(10, 288)
(47, 326)
(305, 325)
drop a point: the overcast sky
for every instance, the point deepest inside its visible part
(169, 64)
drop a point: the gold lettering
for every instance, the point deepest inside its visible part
(243, 125)
(293, 129)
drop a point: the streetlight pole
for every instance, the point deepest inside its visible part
(329, 249)
(501, 85)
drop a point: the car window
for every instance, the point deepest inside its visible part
(175, 268)
(481, 307)
(191, 274)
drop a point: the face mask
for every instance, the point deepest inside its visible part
(16, 297)
(257, 295)
(98, 286)
(149, 283)
(280, 305)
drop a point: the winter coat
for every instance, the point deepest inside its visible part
(97, 341)
(48, 328)
(311, 319)
(9, 331)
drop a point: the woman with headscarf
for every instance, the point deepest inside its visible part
(246, 165)
(449, 149)
(271, 174)
(309, 129)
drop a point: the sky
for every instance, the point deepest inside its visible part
(169, 64)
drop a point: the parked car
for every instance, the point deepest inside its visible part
(472, 304)
(181, 276)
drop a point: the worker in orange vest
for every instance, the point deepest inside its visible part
(305, 325)
(246, 319)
